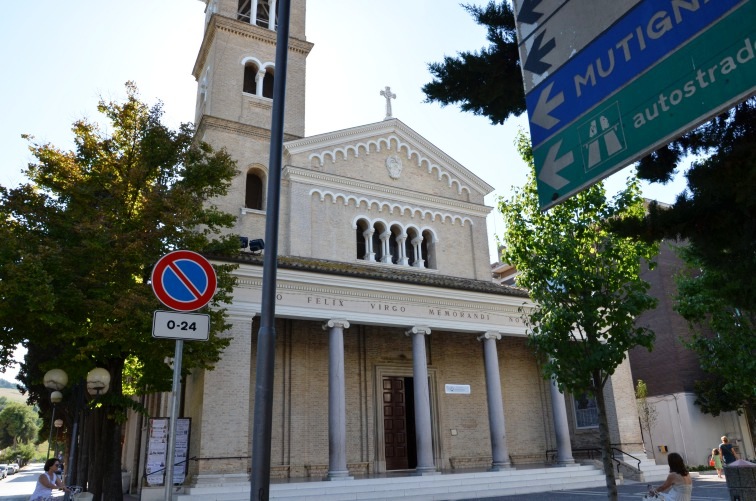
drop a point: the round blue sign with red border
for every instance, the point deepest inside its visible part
(184, 280)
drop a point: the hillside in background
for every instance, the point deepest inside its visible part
(10, 392)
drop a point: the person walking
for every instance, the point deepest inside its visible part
(726, 449)
(716, 459)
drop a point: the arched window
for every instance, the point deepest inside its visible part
(376, 241)
(409, 247)
(426, 250)
(362, 248)
(253, 193)
(250, 78)
(394, 248)
(267, 88)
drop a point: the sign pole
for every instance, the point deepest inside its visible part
(176, 390)
(262, 419)
(183, 281)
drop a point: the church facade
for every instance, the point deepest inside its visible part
(395, 350)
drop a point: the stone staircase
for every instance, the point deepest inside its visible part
(649, 471)
(411, 488)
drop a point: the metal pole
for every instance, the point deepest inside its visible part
(52, 420)
(173, 418)
(266, 339)
(74, 434)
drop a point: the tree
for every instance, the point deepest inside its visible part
(488, 82)
(646, 412)
(77, 245)
(700, 300)
(585, 282)
(18, 424)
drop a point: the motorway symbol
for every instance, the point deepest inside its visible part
(184, 280)
(706, 76)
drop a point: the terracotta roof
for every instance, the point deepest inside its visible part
(377, 273)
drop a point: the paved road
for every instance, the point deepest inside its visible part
(705, 488)
(19, 486)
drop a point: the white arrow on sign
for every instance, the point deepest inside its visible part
(552, 165)
(546, 105)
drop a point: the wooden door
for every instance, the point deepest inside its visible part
(395, 423)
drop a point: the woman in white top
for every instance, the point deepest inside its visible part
(48, 481)
(679, 484)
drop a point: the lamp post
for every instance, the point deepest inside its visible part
(54, 380)
(58, 423)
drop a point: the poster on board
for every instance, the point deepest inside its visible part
(157, 450)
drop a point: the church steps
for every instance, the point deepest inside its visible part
(411, 488)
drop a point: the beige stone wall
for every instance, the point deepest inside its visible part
(300, 406)
(218, 402)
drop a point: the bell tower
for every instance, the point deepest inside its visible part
(235, 70)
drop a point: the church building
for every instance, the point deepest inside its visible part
(396, 352)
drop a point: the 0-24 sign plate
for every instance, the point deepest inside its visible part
(175, 325)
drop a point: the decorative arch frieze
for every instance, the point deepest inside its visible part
(381, 143)
(360, 201)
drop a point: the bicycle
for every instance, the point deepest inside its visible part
(74, 490)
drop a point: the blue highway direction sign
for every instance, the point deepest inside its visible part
(706, 76)
(580, 125)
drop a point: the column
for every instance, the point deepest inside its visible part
(423, 430)
(561, 427)
(337, 465)
(368, 234)
(385, 246)
(416, 242)
(402, 249)
(499, 452)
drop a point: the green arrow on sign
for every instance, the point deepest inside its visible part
(706, 76)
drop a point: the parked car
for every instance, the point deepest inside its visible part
(16, 467)
(3, 471)
(8, 469)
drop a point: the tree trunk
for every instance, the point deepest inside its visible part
(606, 443)
(111, 483)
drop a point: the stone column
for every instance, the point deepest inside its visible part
(337, 465)
(499, 452)
(561, 426)
(423, 428)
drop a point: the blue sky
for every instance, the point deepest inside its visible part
(61, 57)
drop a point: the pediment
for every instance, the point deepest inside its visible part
(383, 137)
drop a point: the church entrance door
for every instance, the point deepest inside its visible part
(399, 423)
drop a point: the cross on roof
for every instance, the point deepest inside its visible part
(389, 96)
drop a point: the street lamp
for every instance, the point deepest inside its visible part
(54, 380)
(58, 423)
(98, 381)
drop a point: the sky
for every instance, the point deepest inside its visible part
(60, 58)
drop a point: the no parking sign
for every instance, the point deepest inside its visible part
(184, 280)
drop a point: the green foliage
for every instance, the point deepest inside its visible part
(488, 82)
(25, 451)
(78, 243)
(18, 424)
(585, 283)
(584, 279)
(724, 339)
(646, 411)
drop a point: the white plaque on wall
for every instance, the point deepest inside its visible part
(460, 389)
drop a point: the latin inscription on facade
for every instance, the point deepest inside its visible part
(394, 310)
